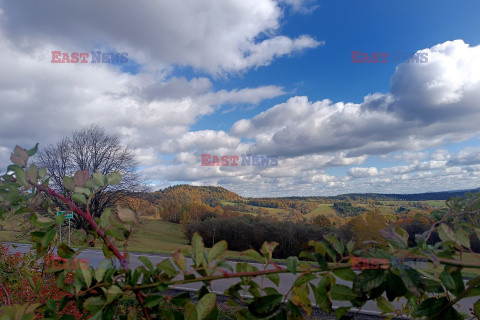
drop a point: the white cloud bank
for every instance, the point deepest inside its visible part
(429, 105)
(215, 36)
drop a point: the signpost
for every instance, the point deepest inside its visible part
(68, 215)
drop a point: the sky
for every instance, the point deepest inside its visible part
(281, 80)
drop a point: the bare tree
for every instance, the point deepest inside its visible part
(92, 149)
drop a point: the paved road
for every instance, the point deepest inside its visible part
(95, 258)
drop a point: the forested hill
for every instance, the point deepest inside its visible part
(185, 193)
(173, 199)
(444, 195)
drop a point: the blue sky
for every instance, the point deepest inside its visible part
(327, 72)
(264, 77)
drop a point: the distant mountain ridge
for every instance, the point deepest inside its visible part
(212, 194)
(174, 200)
(443, 195)
(440, 195)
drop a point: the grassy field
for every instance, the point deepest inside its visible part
(157, 236)
(151, 236)
(322, 209)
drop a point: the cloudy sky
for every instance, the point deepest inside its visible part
(260, 77)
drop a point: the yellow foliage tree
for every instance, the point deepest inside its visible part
(365, 227)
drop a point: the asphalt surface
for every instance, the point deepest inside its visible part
(369, 311)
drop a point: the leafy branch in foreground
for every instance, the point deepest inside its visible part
(255, 291)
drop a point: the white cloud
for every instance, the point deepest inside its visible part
(467, 156)
(430, 104)
(42, 102)
(215, 36)
(363, 172)
(302, 6)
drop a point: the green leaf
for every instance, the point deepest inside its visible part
(265, 306)
(153, 300)
(198, 249)
(68, 183)
(206, 305)
(396, 239)
(254, 255)
(463, 238)
(274, 277)
(411, 279)
(342, 293)
(87, 276)
(32, 174)
(117, 234)
(429, 306)
(167, 266)
(146, 262)
(20, 175)
(350, 246)
(79, 197)
(345, 274)
(113, 292)
(190, 311)
(341, 312)
(65, 251)
(114, 178)
(60, 218)
(368, 280)
(43, 173)
(48, 238)
(85, 191)
(394, 286)
(300, 298)
(32, 151)
(304, 278)
(126, 215)
(446, 233)
(94, 304)
(267, 249)
(320, 258)
(385, 305)
(180, 260)
(322, 298)
(458, 279)
(218, 249)
(292, 263)
(99, 179)
(447, 280)
(336, 244)
(99, 273)
(180, 299)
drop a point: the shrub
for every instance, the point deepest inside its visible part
(24, 281)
